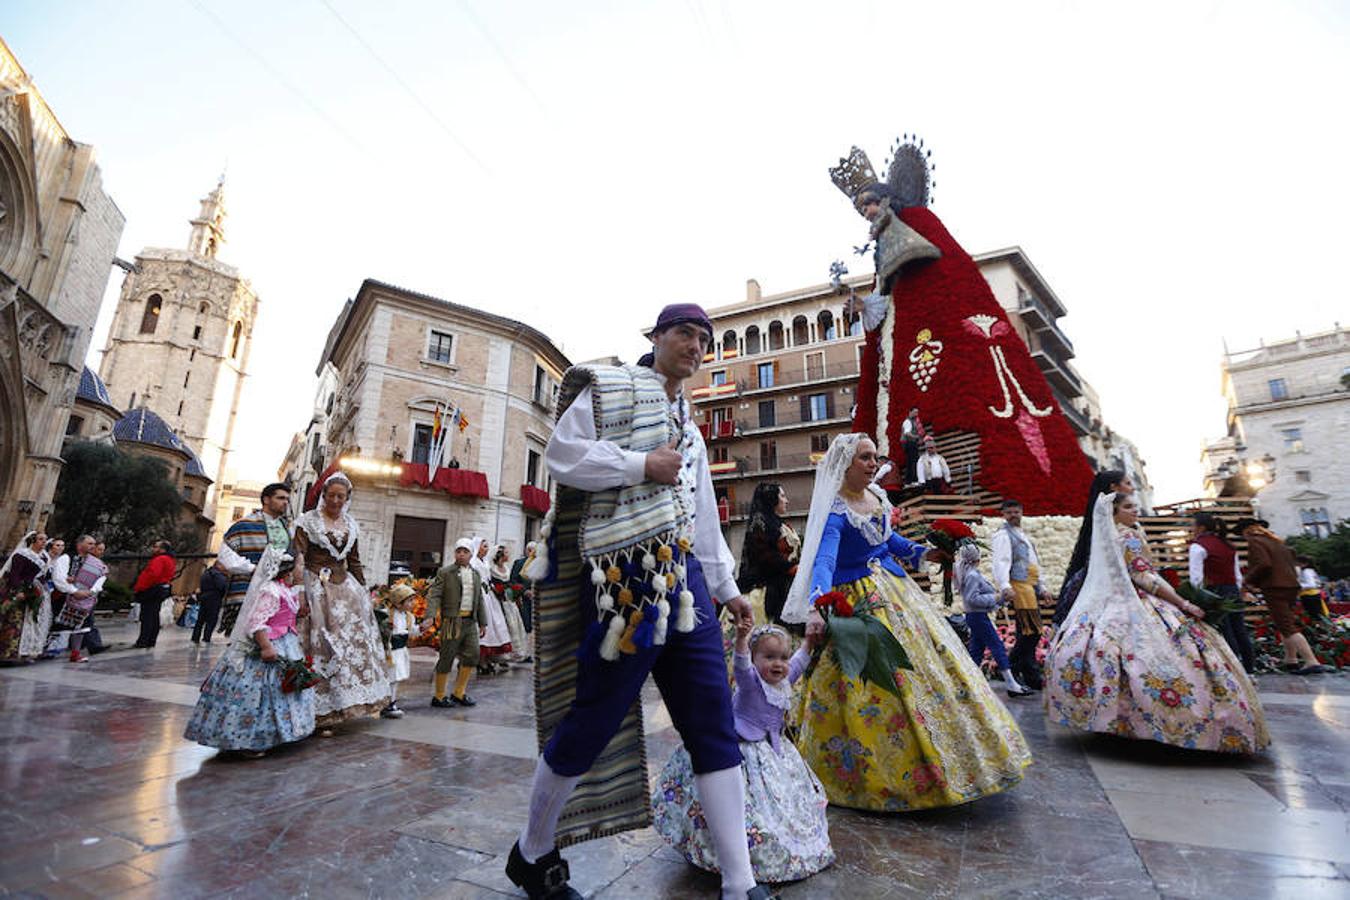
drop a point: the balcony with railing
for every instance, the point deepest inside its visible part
(1056, 371)
(760, 381)
(765, 464)
(1038, 316)
(793, 419)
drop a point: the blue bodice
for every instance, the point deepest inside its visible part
(850, 543)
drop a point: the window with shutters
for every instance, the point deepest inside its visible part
(767, 414)
(765, 371)
(768, 454)
(817, 407)
(820, 443)
(815, 366)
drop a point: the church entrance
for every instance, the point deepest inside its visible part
(417, 547)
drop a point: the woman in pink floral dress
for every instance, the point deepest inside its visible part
(1136, 660)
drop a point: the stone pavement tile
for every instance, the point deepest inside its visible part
(1183, 777)
(594, 864)
(1303, 793)
(654, 877)
(916, 851)
(1108, 877)
(384, 865)
(842, 881)
(1180, 870)
(55, 857)
(1222, 824)
(475, 822)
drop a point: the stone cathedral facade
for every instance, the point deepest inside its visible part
(58, 238)
(180, 339)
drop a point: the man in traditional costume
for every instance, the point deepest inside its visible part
(244, 542)
(456, 595)
(80, 583)
(633, 539)
(1017, 575)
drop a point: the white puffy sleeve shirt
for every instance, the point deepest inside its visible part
(577, 459)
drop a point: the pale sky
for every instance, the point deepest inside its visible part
(1177, 171)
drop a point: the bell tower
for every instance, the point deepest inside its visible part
(208, 229)
(180, 339)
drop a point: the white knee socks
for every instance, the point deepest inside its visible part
(1010, 681)
(722, 796)
(548, 796)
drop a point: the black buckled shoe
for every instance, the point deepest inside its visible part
(544, 879)
(760, 892)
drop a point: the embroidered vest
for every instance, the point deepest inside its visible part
(633, 538)
(631, 410)
(1021, 556)
(1218, 560)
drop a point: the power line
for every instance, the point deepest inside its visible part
(501, 53)
(407, 89)
(279, 76)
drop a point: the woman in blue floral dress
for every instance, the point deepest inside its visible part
(243, 705)
(1137, 660)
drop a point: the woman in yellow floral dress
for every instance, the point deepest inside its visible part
(1136, 660)
(945, 739)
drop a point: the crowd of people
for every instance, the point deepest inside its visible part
(889, 705)
(904, 718)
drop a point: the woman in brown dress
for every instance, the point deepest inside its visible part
(340, 633)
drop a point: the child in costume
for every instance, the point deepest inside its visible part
(245, 705)
(399, 603)
(980, 599)
(456, 597)
(785, 803)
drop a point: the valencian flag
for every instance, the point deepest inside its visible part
(461, 420)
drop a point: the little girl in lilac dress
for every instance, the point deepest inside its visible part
(784, 801)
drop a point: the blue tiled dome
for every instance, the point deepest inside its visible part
(141, 426)
(144, 427)
(92, 388)
(194, 465)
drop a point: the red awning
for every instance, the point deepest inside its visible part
(534, 499)
(456, 482)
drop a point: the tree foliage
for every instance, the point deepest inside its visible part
(1330, 555)
(125, 498)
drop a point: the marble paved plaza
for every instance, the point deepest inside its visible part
(103, 797)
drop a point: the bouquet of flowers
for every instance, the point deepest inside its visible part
(863, 646)
(948, 535)
(298, 674)
(27, 598)
(1216, 608)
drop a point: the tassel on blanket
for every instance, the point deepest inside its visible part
(685, 621)
(662, 622)
(609, 647)
(642, 638)
(626, 644)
